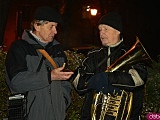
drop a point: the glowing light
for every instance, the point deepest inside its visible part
(94, 12)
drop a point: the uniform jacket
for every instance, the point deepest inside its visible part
(130, 78)
(28, 71)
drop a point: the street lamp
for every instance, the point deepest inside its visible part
(94, 12)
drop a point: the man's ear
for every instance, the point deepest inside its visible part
(36, 27)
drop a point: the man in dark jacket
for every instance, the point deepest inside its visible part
(28, 71)
(91, 79)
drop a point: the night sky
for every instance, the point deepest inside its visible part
(151, 25)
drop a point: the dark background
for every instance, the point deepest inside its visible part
(140, 18)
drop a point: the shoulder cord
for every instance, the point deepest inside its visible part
(45, 54)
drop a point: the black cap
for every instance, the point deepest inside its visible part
(48, 14)
(112, 19)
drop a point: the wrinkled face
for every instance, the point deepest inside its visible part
(108, 35)
(46, 32)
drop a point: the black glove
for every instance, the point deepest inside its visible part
(100, 82)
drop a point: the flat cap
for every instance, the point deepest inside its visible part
(48, 14)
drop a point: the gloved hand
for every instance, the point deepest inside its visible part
(100, 82)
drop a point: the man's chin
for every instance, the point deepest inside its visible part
(51, 40)
(105, 44)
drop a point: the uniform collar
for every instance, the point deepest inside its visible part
(116, 43)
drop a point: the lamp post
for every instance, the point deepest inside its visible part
(93, 12)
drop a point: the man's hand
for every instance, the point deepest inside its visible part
(100, 82)
(59, 74)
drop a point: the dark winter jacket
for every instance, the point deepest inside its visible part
(122, 78)
(28, 71)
